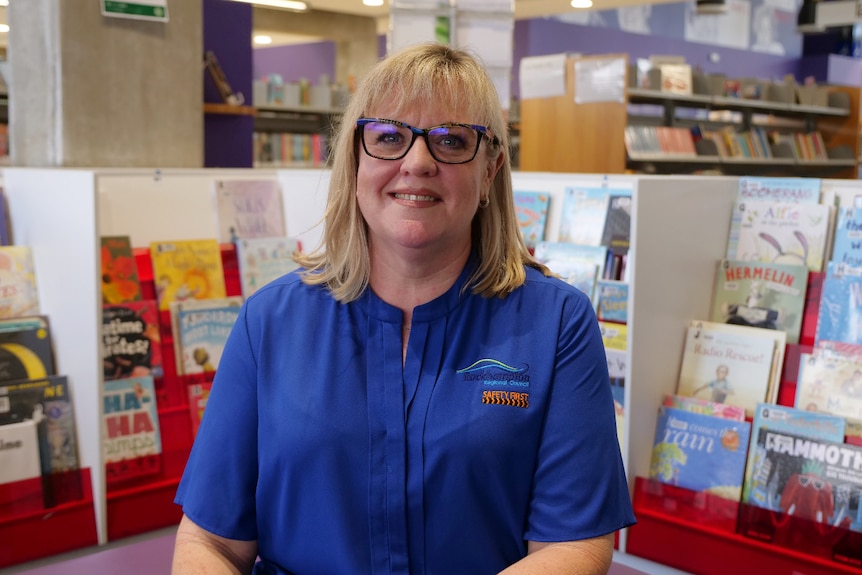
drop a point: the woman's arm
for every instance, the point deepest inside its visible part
(585, 557)
(199, 552)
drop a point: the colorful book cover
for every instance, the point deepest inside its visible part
(791, 420)
(726, 367)
(829, 384)
(767, 295)
(531, 208)
(582, 220)
(839, 316)
(248, 209)
(549, 253)
(131, 437)
(582, 274)
(847, 246)
(26, 351)
(198, 395)
(187, 269)
(614, 335)
(202, 331)
(262, 260)
(782, 233)
(612, 300)
(120, 282)
(705, 406)
(807, 477)
(19, 295)
(699, 452)
(131, 340)
(791, 190)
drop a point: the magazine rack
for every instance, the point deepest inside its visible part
(46, 516)
(700, 533)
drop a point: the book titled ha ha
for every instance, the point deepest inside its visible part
(131, 437)
(531, 208)
(699, 452)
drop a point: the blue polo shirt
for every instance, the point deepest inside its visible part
(499, 428)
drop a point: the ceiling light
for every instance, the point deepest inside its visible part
(295, 5)
(582, 3)
(4, 2)
(373, 2)
(262, 39)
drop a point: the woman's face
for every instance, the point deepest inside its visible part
(417, 202)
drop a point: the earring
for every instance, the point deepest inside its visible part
(484, 202)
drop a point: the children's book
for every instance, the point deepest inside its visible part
(612, 300)
(724, 367)
(18, 289)
(704, 406)
(582, 274)
(839, 316)
(26, 351)
(200, 332)
(617, 230)
(131, 340)
(262, 260)
(615, 340)
(782, 233)
(531, 207)
(187, 269)
(198, 395)
(551, 253)
(120, 282)
(847, 246)
(614, 335)
(829, 383)
(760, 294)
(248, 209)
(131, 437)
(19, 458)
(789, 190)
(791, 420)
(582, 220)
(699, 452)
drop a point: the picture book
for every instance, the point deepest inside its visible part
(612, 298)
(198, 395)
(19, 456)
(262, 260)
(582, 274)
(810, 478)
(839, 316)
(131, 340)
(47, 404)
(616, 233)
(791, 420)
(782, 233)
(847, 245)
(120, 282)
(617, 360)
(26, 351)
(187, 269)
(582, 219)
(201, 331)
(760, 294)
(726, 367)
(248, 209)
(131, 437)
(532, 207)
(552, 253)
(614, 335)
(829, 384)
(790, 190)
(704, 406)
(19, 295)
(699, 452)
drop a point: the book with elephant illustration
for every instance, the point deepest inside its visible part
(781, 233)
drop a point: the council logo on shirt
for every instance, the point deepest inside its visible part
(504, 384)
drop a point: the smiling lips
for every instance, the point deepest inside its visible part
(415, 198)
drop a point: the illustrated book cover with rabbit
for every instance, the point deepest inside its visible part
(782, 233)
(760, 294)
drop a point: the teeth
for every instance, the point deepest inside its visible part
(415, 198)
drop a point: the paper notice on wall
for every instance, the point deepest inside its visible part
(542, 76)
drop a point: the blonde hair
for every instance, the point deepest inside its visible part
(418, 76)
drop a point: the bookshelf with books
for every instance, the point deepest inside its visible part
(595, 128)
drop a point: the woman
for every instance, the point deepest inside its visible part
(422, 398)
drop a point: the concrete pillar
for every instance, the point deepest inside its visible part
(93, 91)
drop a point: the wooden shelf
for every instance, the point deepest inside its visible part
(228, 109)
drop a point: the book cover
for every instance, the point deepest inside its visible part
(131, 340)
(782, 233)
(791, 190)
(582, 274)
(582, 220)
(726, 367)
(847, 245)
(617, 361)
(187, 269)
(617, 229)
(612, 300)
(26, 351)
(839, 316)
(131, 437)
(614, 335)
(807, 477)
(704, 406)
(19, 295)
(829, 383)
(791, 420)
(531, 208)
(120, 282)
(550, 253)
(262, 260)
(248, 209)
(201, 331)
(19, 451)
(760, 294)
(198, 395)
(699, 452)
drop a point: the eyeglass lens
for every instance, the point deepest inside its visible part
(450, 144)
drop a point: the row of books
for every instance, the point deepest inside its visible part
(290, 149)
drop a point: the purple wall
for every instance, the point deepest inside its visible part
(296, 61)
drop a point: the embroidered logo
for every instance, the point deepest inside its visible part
(496, 374)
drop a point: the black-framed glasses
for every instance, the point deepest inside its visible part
(448, 143)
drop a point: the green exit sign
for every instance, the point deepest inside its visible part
(140, 10)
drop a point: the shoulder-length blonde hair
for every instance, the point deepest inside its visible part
(417, 76)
